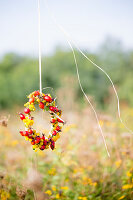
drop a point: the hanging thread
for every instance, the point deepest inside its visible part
(75, 60)
(39, 47)
(70, 42)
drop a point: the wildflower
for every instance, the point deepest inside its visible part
(82, 198)
(52, 171)
(129, 174)
(122, 197)
(101, 123)
(4, 195)
(64, 188)
(53, 188)
(118, 163)
(127, 186)
(48, 192)
(57, 196)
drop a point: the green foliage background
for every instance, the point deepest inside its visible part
(19, 74)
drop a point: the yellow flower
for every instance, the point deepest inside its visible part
(122, 197)
(64, 188)
(26, 104)
(4, 195)
(127, 186)
(28, 122)
(129, 174)
(101, 123)
(48, 192)
(57, 196)
(82, 198)
(94, 184)
(53, 188)
(32, 107)
(56, 137)
(52, 171)
(118, 163)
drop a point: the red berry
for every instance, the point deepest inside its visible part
(41, 105)
(30, 131)
(47, 98)
(26, 133)
(33, 142)
(22, 116)
(45, 142)
(57, 128)
(52, 108)
(37, 140)
(31, 100)
(60, 120)
(56, 109)
(36, 93)
(53, 120)
(27, 110)
(52, 145)
(54, 133)
(43, 137)
(42, 147)
(21, 132)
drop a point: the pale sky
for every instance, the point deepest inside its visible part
(87, 21)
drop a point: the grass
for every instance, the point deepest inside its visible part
(77, 169)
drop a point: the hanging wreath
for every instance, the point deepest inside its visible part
(46, 103)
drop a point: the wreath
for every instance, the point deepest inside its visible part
(46, 103)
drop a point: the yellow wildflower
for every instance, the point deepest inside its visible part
(52, 171)
(57, 196)
(53, 188)
(129, 174)
(4, 195)
(48, 192)
(64, 188)
(26, 104)
(32, 107)
(122, 197)
(82, 198)
(101, 123)
(127, 186)
(118, 163)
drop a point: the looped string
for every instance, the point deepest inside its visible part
(51, 90)
(39, 46)
(70, 42)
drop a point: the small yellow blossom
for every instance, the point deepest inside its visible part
(118, 163)
(82, 198)
(4, 195)
(52, 171)
(53, 188)
(57, 196)
(122, 197)
(64, 188)
(32, 107)
(48, 192)
(127, 186)
(129, 174)
(101, 123)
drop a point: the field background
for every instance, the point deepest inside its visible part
(79, 168)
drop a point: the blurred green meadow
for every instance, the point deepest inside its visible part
(79, 167)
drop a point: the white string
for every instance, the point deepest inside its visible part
(69, 40)
(39, 43)
(82, 87)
